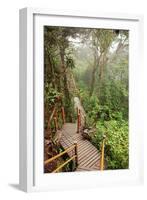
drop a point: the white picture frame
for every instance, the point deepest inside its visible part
(31, 100)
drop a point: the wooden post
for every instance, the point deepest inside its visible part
(50, 120)
(63, 114)
(102, 155)
(78, 120)
(80, 117)
(76, 153)
(78, 123)
(77, 111)
(55, 123)
(84, 120)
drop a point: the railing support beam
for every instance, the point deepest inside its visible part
(55, 123)
(76, 153)
(78, 120)
(102, 155)
(63, 114)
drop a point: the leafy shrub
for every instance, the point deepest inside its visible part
(116, 145)
(111, 123)
(50, 95)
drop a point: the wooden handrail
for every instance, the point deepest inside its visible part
(81, 119)
(76, 152)
(54, 117)
(78, 120)
(50, 118)
(63, 114)
(56, 123)
(60, 154)
(61, 166)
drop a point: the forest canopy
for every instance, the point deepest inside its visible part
(91, 64)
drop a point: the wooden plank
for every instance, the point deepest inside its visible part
(96, 164)
(88, 155)
(78, 137)
(90, 151)
(86, 150)
(81, 144)
(68, 142)
(94, 159)
(88, 161)
(65, 138)
(65, 146)
(93, 163)
(81, 147)
(82, 168)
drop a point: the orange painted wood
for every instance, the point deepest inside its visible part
(78, 124)
(76, 152)
(55, 123)
(102, 156)
(79, 117)
(65, 163)
(50, 118)
(60, 154)
(63, 114)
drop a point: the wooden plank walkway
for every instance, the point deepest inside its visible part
(88, 155)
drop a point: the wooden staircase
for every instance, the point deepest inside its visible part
(87, 155)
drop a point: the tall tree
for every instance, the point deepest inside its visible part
(101, 41)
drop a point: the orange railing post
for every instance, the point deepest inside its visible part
(76, 153)
(78, 120)
(80, 117)
(102, 155)
(63, 114)
(50, 118)
(77, 111)
(55, 121)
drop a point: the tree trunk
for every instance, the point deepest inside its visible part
(95, 67)
(66, 90)
(93, 79)
(102, 65)
(62, 54)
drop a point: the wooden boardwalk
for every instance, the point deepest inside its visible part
(88, 155)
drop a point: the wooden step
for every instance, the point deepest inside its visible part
(82, 168)
(88, 155)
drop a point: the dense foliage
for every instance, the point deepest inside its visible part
(112, 124)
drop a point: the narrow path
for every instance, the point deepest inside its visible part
(88, 155)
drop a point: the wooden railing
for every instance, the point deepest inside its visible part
(102, 160)
(55, 117)
(80, 120)
(74, 157)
